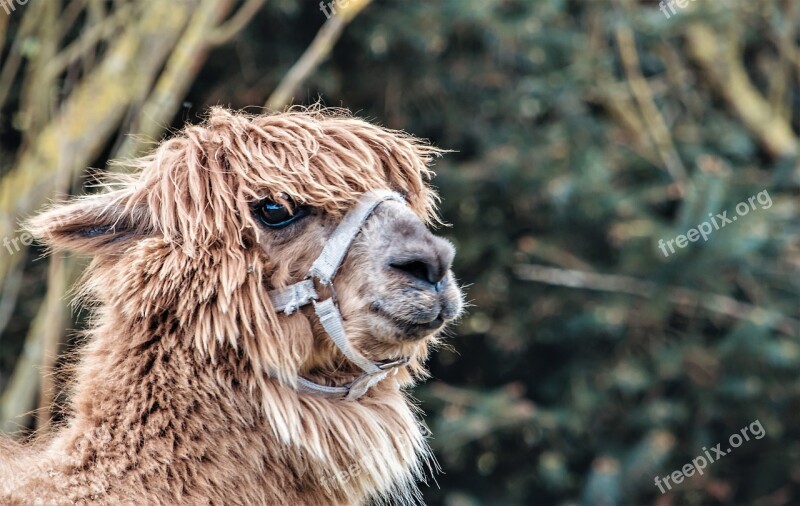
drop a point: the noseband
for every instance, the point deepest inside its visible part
(323, 270)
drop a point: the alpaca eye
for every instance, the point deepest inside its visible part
(275, 215)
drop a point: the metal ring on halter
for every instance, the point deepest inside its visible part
(330, 286)
(394, 363)
(334, 296)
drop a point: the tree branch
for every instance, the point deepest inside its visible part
(315, 54)
(644, 99)
(90, 114)
(225, 32)
(720, 63)
(720, 304)
(180, 70)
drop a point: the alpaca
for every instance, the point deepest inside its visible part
(264, 289)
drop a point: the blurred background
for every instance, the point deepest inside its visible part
(583, 133)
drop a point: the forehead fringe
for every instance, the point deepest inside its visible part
(315, 156)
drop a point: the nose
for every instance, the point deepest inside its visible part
(429, 263)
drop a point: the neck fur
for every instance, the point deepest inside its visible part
(151, 411)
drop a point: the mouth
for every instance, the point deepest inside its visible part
(411, 329)
(417, 329)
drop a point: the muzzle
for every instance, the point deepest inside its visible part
(323, 270)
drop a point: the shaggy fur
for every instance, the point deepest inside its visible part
(185, 391)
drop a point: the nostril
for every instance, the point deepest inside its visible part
(420, 270)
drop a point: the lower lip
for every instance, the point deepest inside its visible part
(433, 325)
(416, 328)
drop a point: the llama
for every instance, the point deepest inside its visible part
(264, 290)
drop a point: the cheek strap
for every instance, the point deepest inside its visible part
(323, 270)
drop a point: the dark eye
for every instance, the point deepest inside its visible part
(276, 215)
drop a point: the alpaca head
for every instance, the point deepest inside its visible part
(192, 241)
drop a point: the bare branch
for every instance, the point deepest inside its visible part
(720, 304)
(14, 59)
(89, 39)
(180, 70)
(224, 33)
(91, 113)
(719, 60)
(315, 54)
(644, 98)
(11, 287)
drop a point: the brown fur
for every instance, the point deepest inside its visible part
(185, 391)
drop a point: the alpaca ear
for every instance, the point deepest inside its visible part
(96, 224)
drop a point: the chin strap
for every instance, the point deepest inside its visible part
(324, 269)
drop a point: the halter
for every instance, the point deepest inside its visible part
(290, 299)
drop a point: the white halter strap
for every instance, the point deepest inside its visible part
(324, 269)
